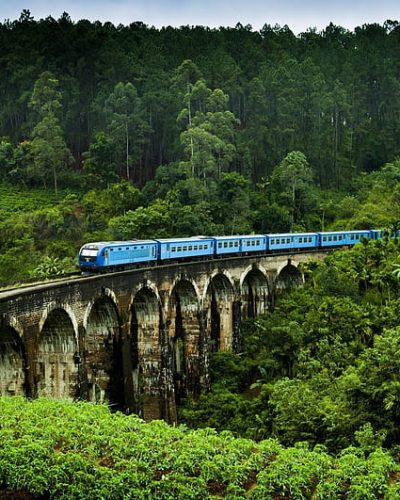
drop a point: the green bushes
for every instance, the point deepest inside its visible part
(80, 450)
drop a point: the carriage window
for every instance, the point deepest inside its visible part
(195, 247)
(111, 249)
(230, 244)
(179, 249)
(287, 240)
(324, 238)
(225, 244)
(190, 248)
(184, 248)
(300, 240)
(173, 249)
(257, 242)
(329, 238)
(219, 244)
(236, 243)
(335, 238)
(205, 247)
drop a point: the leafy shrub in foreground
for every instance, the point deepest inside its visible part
(80, 450)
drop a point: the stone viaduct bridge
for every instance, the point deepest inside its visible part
(139, 339)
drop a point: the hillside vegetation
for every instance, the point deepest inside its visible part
(110, 132)
(323, 365)
(65, 450)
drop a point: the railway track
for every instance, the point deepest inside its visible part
(16, 285)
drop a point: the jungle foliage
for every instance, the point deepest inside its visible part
(64, 450)
(111, 132)
(323, 366)
(119, 101)
(137, 132)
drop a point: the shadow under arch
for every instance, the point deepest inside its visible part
(255, 294)
(185, 338)
(57, 358)
(219, 301)
(12, 363)
(103, 353)
(145, 353)
(288, 277)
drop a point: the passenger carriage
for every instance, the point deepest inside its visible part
(337, 238)
(253, 243)
(181, 248)
(291, 241)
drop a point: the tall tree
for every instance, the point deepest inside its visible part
(209, 138)
(48, 148)
(295, 178)
(126, 125)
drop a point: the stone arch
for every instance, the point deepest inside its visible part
(57, 358)
(145, 353)
(220, 296)
(254, 292)
(12, 362)
(68, 310)
(102, 352)
(288, 276)
(105, 292)
(184, 337)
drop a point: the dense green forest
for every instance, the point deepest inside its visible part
(119, 101)
(110, 132)
(133, 132)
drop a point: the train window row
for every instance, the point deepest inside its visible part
(228, 244)
(252, 243)
(127, 248)
(189, 248)
(333, 238)
(280, 241)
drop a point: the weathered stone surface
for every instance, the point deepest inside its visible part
(138, 339)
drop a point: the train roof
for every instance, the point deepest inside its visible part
(189, 239)
(118, 243)
(237, 236)
(286, 235)
(349, 231)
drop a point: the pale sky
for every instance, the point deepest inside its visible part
(297, 14)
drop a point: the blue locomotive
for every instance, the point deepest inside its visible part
(118, 255)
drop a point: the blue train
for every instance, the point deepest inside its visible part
(117, 255)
